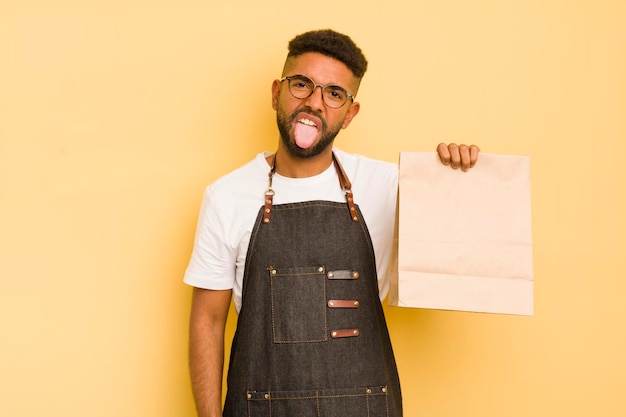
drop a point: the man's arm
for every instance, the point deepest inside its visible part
(209, 310)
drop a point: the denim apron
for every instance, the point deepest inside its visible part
(311, 337)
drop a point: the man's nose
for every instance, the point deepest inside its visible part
(316, 99)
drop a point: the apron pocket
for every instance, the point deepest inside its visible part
(352, 402)
(298, 304)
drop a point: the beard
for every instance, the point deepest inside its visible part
(285, 126)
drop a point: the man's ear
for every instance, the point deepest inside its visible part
(352, 112)
(275, 93)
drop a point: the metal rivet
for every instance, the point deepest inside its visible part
(268, 201)
(249, 396)
(330, 275)
(356, 332)
(267, 210)
(369, 390)
(355, 274)
(331, 304)
(352, 208)
(266, 220)
(267, 396)
(320, 269)
(355, 218)
(334, 334)
(384, 389)
(356, 303)
(273, 272)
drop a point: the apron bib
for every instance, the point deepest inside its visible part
(311, 336)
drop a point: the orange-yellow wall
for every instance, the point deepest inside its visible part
(114, 114)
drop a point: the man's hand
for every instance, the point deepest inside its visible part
(456, 156)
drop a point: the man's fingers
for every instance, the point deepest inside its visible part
(473, 155)
(464, 153)
(444, 154)
(458, 156)
(455, 155)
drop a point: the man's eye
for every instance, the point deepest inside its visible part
(336, 93)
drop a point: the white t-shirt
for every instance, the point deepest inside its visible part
(231, 204)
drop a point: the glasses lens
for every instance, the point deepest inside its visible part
(300, 86)
(335, 96)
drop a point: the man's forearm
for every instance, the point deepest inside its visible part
(206, 349)
(206, 363)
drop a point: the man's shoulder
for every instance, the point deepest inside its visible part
(360, 165)
(355, 158)
(240, 179)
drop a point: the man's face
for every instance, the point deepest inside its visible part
(307, 126)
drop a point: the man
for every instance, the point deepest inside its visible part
(301, 239)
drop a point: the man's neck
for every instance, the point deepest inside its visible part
(291, 166)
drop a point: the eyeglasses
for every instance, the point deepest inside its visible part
(302, 87)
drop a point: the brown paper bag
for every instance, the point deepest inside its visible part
(464, 239)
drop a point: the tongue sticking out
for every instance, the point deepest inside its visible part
(305, 135)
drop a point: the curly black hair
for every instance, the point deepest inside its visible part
(332, 44)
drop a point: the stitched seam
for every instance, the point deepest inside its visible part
(317, 403)
(342, 207)
(278, 341)
(272, 306)
(387, 400)
(325, 311)
(311, 397)
(248, 258)
(287, 342)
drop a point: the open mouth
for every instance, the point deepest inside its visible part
(305, 131)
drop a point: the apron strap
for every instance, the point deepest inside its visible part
(269, 193)
(344, 183)
(346, 186)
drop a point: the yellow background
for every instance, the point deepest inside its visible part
(114, 114)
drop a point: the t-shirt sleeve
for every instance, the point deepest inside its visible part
(212, 263)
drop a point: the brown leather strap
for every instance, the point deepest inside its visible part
(346, 186)
(267, 209)
(343, 303)
(343, 274)
(269, 193)
(343, 178)
(336, 334)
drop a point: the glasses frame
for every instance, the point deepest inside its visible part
(315, 85)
